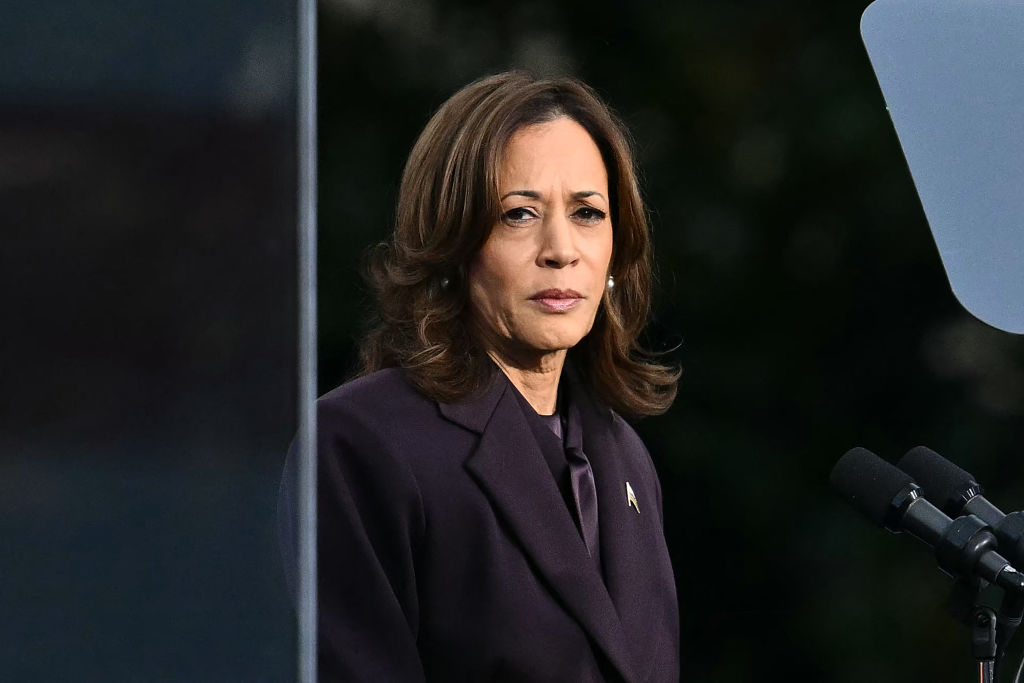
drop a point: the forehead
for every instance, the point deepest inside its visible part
(554, 150)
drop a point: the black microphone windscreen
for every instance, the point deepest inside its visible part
(868, 482)
(942, 481)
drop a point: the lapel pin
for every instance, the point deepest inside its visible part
(631, 498)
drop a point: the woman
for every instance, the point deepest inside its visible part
(484, 511)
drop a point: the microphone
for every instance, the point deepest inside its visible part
(958, 493)
(963, 547)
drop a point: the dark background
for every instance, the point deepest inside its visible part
(797, 277)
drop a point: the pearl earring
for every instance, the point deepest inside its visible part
(611, 282)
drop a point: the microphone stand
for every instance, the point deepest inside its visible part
(964, 605)
(983, 642)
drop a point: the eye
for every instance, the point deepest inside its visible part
(588, 214)
(517, 216)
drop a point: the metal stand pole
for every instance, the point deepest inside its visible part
(983, 642)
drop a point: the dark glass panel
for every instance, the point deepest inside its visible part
(148, 365)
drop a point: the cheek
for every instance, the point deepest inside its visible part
(478, 288)
(487, 289)
(493, 273)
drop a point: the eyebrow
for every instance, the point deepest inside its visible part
(583, 194)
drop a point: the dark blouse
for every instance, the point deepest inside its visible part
(551, 433)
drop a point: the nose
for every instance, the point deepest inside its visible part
(558, 245)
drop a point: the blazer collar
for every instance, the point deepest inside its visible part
(510, 468)
(474, 413)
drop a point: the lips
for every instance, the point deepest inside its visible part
(557, 300)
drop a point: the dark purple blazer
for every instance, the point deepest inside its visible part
(447, 553)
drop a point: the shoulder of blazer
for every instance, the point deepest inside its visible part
(385, 401)
(360, 437)
(372, 391)
(385, 412)
(378, 414)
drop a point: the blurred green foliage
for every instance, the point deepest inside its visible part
(797, 277)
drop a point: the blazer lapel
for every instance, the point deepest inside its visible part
(625, 551)
(510, 468)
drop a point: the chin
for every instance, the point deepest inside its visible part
(547, 342)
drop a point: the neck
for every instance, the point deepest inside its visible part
(535, 378)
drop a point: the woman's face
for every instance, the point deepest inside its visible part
(536, 284)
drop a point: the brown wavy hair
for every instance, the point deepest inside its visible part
(447, 205)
